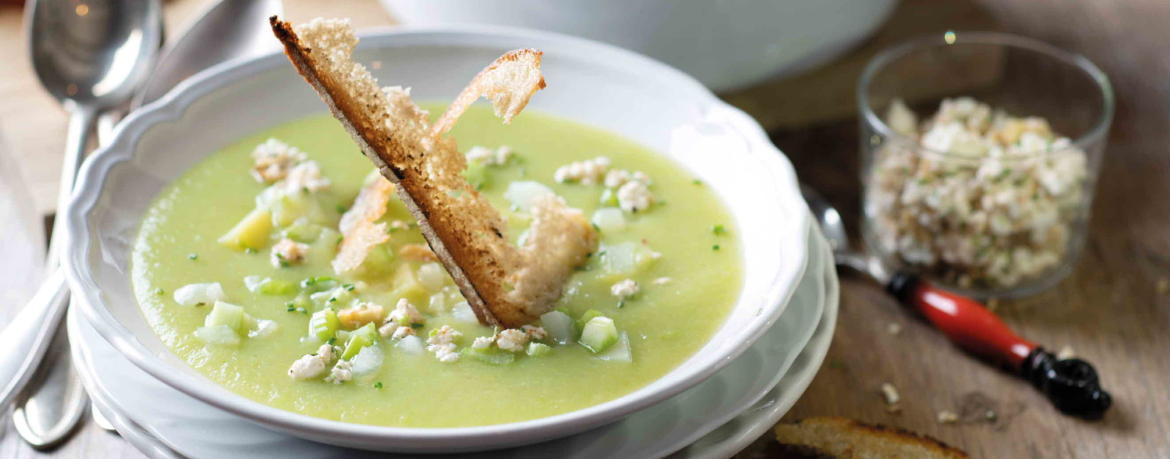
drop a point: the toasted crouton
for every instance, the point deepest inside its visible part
(504, 285)
(841, 438)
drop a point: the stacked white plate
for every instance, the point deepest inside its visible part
(714, 419)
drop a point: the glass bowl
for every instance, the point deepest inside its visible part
(979, 154)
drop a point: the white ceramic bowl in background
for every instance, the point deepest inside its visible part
(727, 45)
(587, 81)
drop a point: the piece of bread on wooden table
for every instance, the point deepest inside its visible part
(504, 284)
(841, 438)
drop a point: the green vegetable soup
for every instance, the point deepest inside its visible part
(662, 280)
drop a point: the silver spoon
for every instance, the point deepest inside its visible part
(90, 55)
(1070, 384)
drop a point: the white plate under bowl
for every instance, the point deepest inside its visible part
(590, 82)
(725, 412)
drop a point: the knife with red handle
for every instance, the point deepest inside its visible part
(1071, 384)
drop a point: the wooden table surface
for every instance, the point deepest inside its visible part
(1112, 310)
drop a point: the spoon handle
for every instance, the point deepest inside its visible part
(29, 334)
(1071, 384)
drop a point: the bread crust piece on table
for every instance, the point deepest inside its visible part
(840, 438)
(503, 284)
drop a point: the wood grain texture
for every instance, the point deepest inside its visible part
(1110, 310)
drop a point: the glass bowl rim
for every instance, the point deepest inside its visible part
(953, 38)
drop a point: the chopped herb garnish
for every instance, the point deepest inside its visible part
(302, 311)
(290, 307)
(340, 209)
(715, 247)
(249, 250)
(621, 304)
(392, 230)
(305, 189)
(192, 256)
(595, 227)
(378, 385)
(339, 238)
(348, 287)
(416, 326)
(331, 341)
(697, 182)
(159, 291)
(718, 230)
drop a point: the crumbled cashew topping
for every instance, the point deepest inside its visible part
(305, 177)
(634, 197)
(588, 172)
(288, 252)
(401, 318)
(512, 340)
(359, 315)
(272, 160)
(489, 157)
(984, 199)
(625, 289)
(442, 343)
(341, 372)
(312, 366)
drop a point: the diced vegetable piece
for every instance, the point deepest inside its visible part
(619, 352)
(405, 284)
(410, 345)
(522, 194)
(221, 335)
(538, 349)
(609, 220)
(609, 198)
(367, 362)
(342, 336)
(368, 331)
(559, 326)
(585, 318)
(379, 260)
(437, 302)
(462, 312)
(354, 345)
(277, 287)
(251, 232)
(477, 175)
(225, 314)
(432, 276)
(289, 207)
(303, 231)
(491, 355)
(269, 286)
(324, 324)
(262, 329)
(599, 334)
(199, 294)
(626, 259)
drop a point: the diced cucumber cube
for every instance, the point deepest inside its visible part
(303, 231)
(462, 312)
(599, 334)
(619, 352)
(288, 208)
(406, 284)
(367, 361)
(410, 345)
(609, 220)
(277, 287)
(225, 314)
(559, 326)
(626, 259)
(491, 355)
(250, 233)
(379, 260)
(324, 324)
(432, 276)
(477, 175)
(538, 349)
(368, 331)
(221, 335)
(354, 345)
(585, 318)
(262, 328)
(522, 194)
(199, 294)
